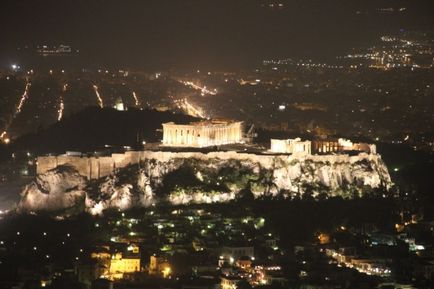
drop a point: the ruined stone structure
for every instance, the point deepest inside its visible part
(291, 146)
(94, 167)
(288, 169)
(341, 145)
(277, 175)
(297, 146)
(202, 134)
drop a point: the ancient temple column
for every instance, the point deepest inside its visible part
(170, 141)
(182, 132)
(229, 134)
(172, 136)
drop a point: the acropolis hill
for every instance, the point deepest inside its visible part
(291, 168)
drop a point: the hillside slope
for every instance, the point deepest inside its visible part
(93, 128)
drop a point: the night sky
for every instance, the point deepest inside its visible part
(214, 34)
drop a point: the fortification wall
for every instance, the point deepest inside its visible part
(106, 166)
(97, 167)
(93, 168)
(45, 164)
(82, 165)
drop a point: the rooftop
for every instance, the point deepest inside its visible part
(208, 122)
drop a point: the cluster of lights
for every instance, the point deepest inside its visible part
(365, 267)
(306, 63)
(396, 54)
(278, 62)
(320, 65)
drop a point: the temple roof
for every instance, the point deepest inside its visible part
(207, 122)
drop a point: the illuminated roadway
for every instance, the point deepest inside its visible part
(98, 96)
(4, 135)
(203, 89)
(61, 103)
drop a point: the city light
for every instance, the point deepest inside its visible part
(166, 272)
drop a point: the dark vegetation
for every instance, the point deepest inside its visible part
(412, 173)
(94, 128)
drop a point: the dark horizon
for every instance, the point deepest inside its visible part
(207, 34)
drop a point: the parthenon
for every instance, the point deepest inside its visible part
(203, 133)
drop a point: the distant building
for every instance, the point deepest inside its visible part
(273, 277)
(54, 50)
(203, 133)
(125, 263)
(370, 266)
(90, 270)
(230, 282)
(244, 262)
(119, 105)
(236, 252)
(325, 146)
(341, 145)
(159, 265)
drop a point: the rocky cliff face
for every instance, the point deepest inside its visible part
(178, 179)
(61, 189)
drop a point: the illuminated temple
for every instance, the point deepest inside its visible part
(203, 133)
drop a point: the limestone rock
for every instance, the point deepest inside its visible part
(58, 189)
(183, 178)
